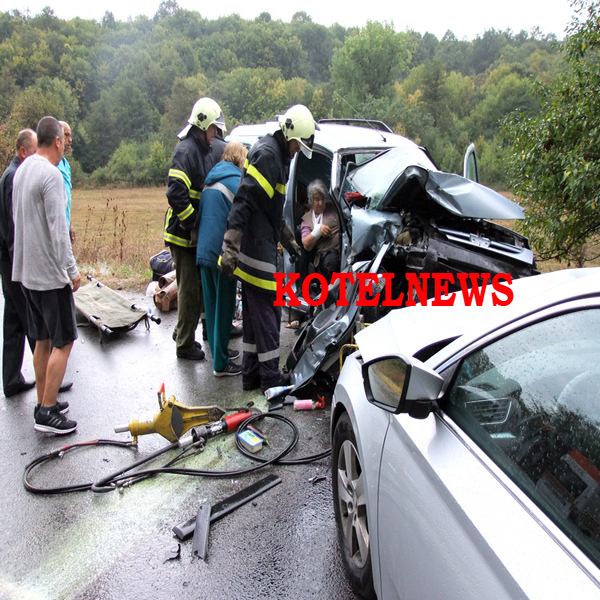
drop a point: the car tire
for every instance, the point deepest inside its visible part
(349, 501)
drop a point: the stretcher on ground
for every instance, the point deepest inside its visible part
(108, 310)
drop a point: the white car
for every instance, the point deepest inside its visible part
(466, 447)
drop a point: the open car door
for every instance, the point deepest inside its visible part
(470, 165)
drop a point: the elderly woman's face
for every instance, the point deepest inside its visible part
(318, 203)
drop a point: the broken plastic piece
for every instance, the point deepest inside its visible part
(200, 543)
(285, 402)
(184, 530)
(173, 554)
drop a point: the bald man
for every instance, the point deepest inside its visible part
(15, 312)
(65, 169)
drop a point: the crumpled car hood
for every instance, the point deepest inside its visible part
(383, 180)
(469, 199)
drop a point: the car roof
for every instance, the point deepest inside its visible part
(249, 134)
(334, 137)
(330, 136)
(418, 327)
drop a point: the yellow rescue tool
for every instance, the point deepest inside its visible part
(173, 419)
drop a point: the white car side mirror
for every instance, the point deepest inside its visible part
(402, 385)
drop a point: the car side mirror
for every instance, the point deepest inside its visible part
(401, 385)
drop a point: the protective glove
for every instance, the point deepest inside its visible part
(294, 250)
(288, 241)
(229, 258)
(190, 221)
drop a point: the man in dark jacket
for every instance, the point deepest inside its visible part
(15, 311)
(255, 228)
(192, 160)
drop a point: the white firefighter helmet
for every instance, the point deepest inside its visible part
(298, 124)
(205, 113)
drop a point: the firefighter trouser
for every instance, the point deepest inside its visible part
(190, 303)
(260, 325)
(219, 305)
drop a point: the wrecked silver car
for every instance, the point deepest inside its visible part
(398, 214)
(435, 222)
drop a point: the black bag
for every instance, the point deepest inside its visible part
(161, 264)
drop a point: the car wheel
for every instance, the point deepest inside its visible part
(350, 507)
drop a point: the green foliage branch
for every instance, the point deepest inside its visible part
(555, 160)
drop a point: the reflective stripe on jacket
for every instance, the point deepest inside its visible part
(192, 160)
(257, 210)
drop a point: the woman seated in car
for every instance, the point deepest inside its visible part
(320, 231)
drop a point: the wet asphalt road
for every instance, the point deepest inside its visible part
(113, 546)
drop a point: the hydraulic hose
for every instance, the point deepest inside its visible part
(108, 483)
(124, 477)
(293, 461)
(40, 460)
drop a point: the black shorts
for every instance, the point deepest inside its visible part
(51, 314)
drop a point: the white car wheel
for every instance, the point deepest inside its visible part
(349, 497)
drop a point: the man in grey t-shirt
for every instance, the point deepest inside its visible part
(44, 264)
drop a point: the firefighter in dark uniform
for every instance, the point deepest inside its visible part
(192, 160)
(255, 228)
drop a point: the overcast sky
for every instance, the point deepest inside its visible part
(466, 18)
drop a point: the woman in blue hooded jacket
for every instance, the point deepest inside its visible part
(219, 291)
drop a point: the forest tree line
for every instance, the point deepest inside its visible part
(127, 87)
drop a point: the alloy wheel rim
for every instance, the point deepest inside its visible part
(352, 504)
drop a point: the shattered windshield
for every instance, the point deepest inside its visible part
(373, 179)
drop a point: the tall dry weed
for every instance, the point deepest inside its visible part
(108, 246)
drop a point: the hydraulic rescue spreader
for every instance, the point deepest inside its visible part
(174, 419)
